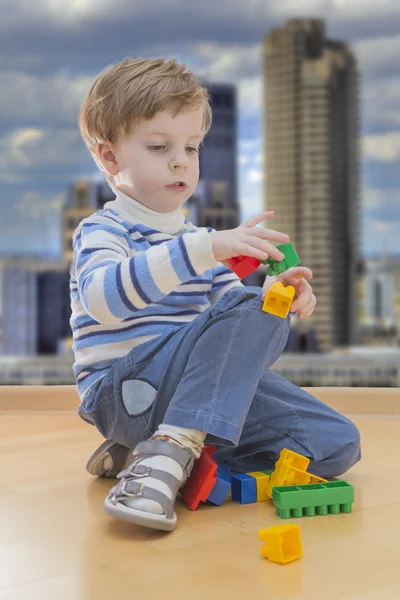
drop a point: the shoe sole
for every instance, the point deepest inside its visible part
(95, 463)
(140, 517)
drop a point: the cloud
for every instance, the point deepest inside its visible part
(37, 205)
(31, 221)
(46, 35)
(88, 13)
(28, 98)
(384, 147)
(26, 152)
(228, 62)
(377, 56)
(255, 176)
(381, 103)
(336, 11)
(382, 202)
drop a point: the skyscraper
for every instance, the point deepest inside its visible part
(214, 202)
(311, 135)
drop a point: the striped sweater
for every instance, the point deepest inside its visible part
(136, 274)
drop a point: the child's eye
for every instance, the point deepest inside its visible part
(157, 147)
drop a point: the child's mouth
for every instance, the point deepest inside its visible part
(178, 188)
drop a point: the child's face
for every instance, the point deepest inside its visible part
(148, 162)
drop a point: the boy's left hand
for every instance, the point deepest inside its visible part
(304, 300)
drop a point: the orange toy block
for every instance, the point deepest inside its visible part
(283, 543)
(279, 299)
(202, 479)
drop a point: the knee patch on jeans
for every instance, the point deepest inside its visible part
(137, 396)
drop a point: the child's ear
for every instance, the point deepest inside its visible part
(106, 154)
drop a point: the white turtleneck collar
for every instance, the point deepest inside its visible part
(171, 222)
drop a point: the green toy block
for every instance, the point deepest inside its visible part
(307, 500)
(291, 259)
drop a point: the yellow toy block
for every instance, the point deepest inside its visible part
(279, 476)
(296, 477)
(296, 460)
(283, 543)
(289, 470)
(279, 299)
(262, 482)
(316, 479)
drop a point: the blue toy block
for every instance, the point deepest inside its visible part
(221, 486)
(244, 488)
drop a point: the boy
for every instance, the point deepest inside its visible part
(171, 349)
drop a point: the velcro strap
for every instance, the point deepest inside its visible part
(127, 488)
(183, 456)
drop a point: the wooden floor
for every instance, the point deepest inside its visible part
(57, 543)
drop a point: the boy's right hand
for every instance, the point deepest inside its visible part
(248, 240)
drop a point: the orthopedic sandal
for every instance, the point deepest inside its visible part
(128, 487)
(118, 453)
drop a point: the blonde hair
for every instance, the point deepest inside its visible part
(135, 89)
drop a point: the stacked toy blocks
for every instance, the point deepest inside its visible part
(221, 487)
(245, 265)
(207, 481)
(331, 497)
(202, 479)
(290, 469)
(250, 487)
(282, 543)
(291, 259)
(279, 299)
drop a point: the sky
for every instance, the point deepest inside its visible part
(51, 51)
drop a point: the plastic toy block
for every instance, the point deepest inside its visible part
(296, 460)
(308, 500)
(262, 480)
(279, 299)
(297, 477)
(221, 486)
(244, 488)
(316, 479)
(283, 543)
(288, 469)
(242, 265)
(210, 449)
(201, 481)
(275, 267)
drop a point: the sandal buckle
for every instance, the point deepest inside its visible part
(132, 473)
(123, 491)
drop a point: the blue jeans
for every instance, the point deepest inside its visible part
(213, 374)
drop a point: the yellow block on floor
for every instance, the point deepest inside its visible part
(283, 543)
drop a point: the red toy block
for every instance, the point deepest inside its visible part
(243, 265)
(210, 448)
(202, 479)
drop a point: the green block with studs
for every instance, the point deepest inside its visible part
(331, 497)
(291, 260)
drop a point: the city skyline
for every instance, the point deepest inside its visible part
(45, 79)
